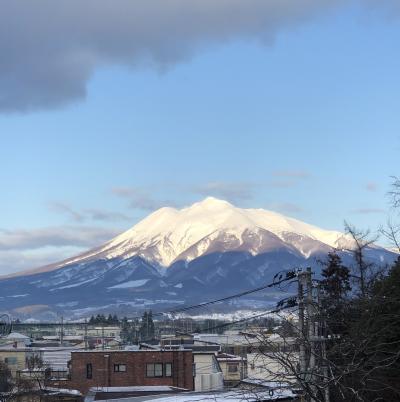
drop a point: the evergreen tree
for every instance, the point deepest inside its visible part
(336, 282)
(335, 287)
(147, 326)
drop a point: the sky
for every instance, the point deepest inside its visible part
(108, 112)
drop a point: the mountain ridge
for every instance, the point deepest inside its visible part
(172, 256)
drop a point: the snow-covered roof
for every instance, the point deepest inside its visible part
(230, 396)
(266, 384)
(17, 335)
(143, 388)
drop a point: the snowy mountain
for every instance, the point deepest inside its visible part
(177, 256)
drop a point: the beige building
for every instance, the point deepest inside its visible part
(208, 373)
(234, 368)
(15, 358)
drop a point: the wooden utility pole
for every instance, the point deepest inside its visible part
(62, 331)
(302, 335)
(86, 334)
(312, 348)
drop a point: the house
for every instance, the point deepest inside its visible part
(15, 358)
(124, 368)
(232, 342)
(274, 360)
(235, 395)
(234, 368)
(17, 339)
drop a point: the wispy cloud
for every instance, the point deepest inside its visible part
(371, 186)
(139, 198)
(287, 178)
(368, 211)
(88, 213)
(282, 183)
(232, 191)
(57, 236)
(65, 209)
(13, 261)
(285, 207)
(292, 174)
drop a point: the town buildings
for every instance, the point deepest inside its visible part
(120, 368)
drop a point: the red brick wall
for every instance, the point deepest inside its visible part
(103, 374)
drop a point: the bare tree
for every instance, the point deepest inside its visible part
(37, 371)
(365, 273)
(392, 229)
(394, 193)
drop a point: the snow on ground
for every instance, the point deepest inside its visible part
(74, 285)
(130, 284)
(231, 396)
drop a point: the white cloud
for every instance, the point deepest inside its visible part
(57, 236)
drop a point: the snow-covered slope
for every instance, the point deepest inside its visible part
(167, 234)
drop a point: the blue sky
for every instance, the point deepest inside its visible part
(306, 124)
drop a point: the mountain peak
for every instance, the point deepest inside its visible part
(170, 234)
(212, 202)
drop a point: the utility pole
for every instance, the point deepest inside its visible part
(86, 334)
(62, 331)
(302, 337)
(306, 330)
(310, 309)
(312, 348)
(323, 339)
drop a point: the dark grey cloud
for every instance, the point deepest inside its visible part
(50, 49)
(57, 236)
(139, 198)
(389, 8)
(88, 214)
(232, 191)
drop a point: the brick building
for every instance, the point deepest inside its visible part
(121, 368)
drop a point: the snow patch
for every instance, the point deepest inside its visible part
(130, 284)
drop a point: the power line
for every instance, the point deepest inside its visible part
(279, 278)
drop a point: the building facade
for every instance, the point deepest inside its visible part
(120, 368)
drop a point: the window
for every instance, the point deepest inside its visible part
(119, 368)
(154, 370)
(89, 371)
(10, 360)
(233, 368)
(168, 369)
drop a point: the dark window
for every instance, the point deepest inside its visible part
(154, 370)
(89, 371)
(168, 369)
(119, 368)
(233, 368)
